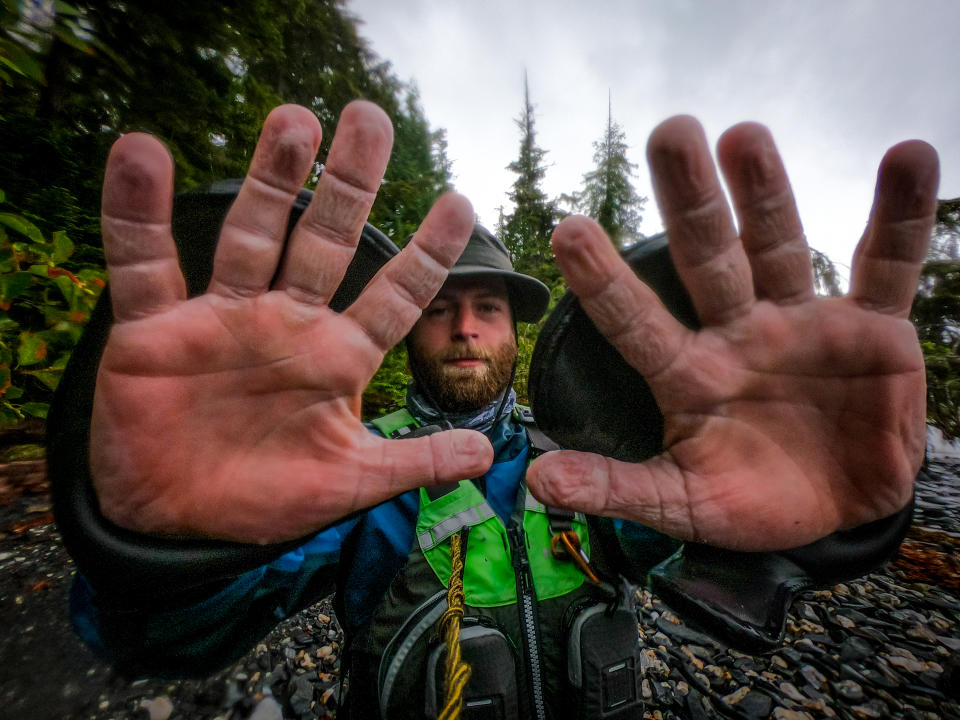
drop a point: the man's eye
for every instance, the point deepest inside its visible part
(490, 308)
(435, 311)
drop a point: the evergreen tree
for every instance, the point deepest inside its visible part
(202, 78)
(527, 229)
(418, 173)
(826, 281)
(608, 195)
(936, 315)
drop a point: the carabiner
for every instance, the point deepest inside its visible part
(567, 544)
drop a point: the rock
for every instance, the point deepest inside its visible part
(849, 690)
(813, 676)
(267, 709)
(906, 663)
(870, 710)
(950, 679)
(160, 708)
(782, 713)
(790, 690)
(757, 705)
(300, 694)
(854, 649)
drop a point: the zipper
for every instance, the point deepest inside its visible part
(526, 603)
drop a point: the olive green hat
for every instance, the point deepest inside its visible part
(486, 256)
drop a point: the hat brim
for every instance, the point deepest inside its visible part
(198, 217)
(584, 395)
(529, 297)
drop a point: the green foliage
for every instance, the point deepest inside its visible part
(387, 390)
(608, 195)
(26, 29)
(945, 244)
(202, 78)
(46, 296)
(526, 231)
(936, 315)
(417, 175)
(943, 388)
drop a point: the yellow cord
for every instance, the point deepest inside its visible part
(457, 671)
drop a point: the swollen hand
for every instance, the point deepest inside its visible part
(787, 416)
(234, 414)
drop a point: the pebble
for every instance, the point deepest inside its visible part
(267, 709)
(781, 713)
(158, 708)
(874, 647)
(884, 645)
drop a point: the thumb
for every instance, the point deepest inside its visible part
(438, 458)
(571, 480)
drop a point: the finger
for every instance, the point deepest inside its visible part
(770, 227)
(397, 466)
(651, 493)
(703, 242)
(326, 236)
(887, 261)
(627, 312)
(392, 302)
(254, 230)
(145, 275)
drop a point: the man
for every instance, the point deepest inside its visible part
(233, 415)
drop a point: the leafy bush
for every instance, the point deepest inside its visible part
(387, 390)
(45, 300)
(943, 388)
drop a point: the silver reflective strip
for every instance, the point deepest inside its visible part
(445, 528)
(393, 670)
(532, 504)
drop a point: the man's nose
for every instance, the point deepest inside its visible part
(464, 324)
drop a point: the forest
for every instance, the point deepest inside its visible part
(74, 76)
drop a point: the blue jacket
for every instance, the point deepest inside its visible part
(358, 558)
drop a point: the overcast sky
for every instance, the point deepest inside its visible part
(837, 82)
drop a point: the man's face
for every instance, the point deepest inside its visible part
(463, 347)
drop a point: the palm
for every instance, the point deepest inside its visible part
(770, 420)
(236, 393)
(787, 416)
(234, 414)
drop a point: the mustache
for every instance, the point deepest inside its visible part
(467, 350)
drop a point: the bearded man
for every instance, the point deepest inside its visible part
(232, 416)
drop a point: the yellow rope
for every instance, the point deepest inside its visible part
(457, 671)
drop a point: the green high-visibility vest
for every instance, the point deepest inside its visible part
(488, 576)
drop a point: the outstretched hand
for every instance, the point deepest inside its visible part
(787, 416)
(234, 414)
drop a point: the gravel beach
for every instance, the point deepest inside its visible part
(885, 645)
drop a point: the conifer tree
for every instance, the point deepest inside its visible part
(936, 315)
(418, 173)
(826, 280)
(608, 195)
(202, 77)
(527, 229)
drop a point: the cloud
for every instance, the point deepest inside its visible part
(837, 83)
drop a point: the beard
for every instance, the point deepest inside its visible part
(456, 389)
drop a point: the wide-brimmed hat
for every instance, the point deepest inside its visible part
(486, 256)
